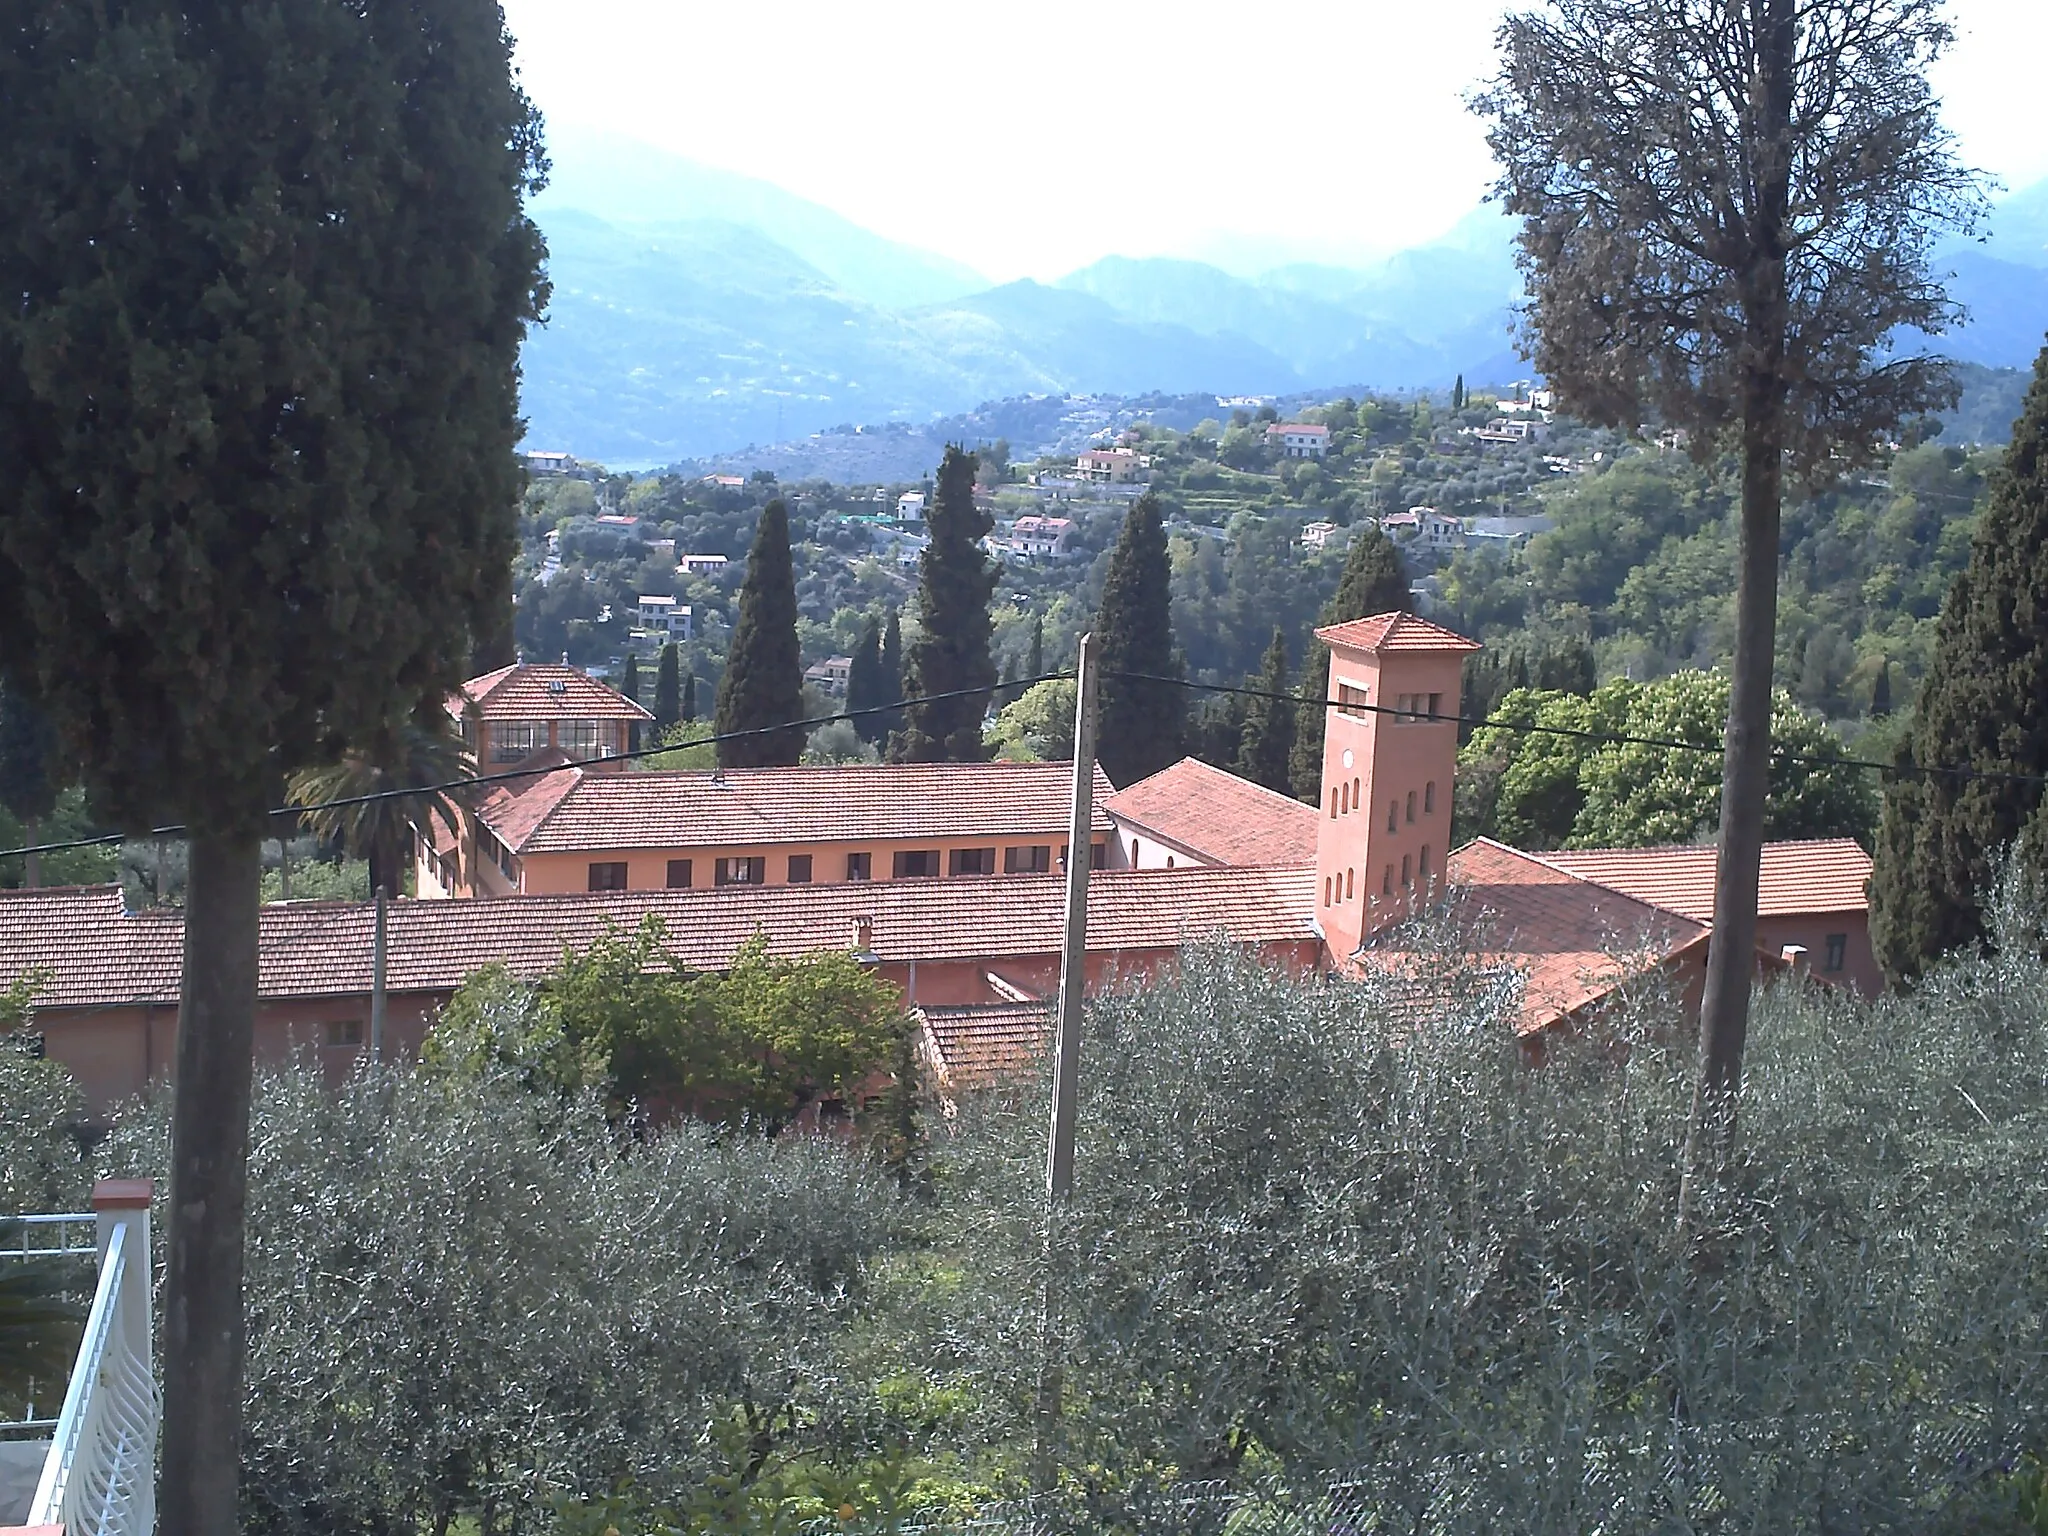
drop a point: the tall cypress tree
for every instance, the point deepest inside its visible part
(1143, 725)
(1267, 743)
(1373, 582)
(1034, 664)
(894, 684)
(1458, 394)
(1980, 706)
(629, 677)
(28, 787)
(275, 409)
(668, 689)
(764, 671)
(952, 649)
(689, 709)
(1881, 691)
(867, 687)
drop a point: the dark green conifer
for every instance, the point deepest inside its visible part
(1881, 691)
(1143, 725)
(952, 650)
(1458, 394)
(764, 672)
(1373, 582)
(1034, 664)
(894, 683)
(1267, 742)
(28, 786)
(668, 689)
(629, 677)
(1980, 706)
(689, 709)
(1216, 731)
(867, 686)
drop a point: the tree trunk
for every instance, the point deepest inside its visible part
(33, 826)
(203, 1333)
(1745, 771)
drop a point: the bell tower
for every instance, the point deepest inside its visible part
(1390, 747)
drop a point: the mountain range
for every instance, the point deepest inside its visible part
(695, 310)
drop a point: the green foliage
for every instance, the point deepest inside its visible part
(422, 755)
(1143, 724)
(1980, 707)
(39, 1318)
(1269, 723)
(1541, 789)
(689, 705)
(1039, 726)
(72, 818)
(868, 686)
(668, 688)
(42, 1112)
(629, 677)
(753, 1044)
(951, 652)
(763, 682)
(28, 784)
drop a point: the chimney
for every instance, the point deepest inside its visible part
(1795, 958)
(864, 941)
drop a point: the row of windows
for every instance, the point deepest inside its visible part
(1346, 798)
(908, 864)
(1344, 887)
(1408, 707)
(511, 741)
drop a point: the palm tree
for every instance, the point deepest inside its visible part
(425, 756)
(39, 1317)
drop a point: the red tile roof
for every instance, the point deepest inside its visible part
(762, 807)
(1824, 875)
(514, 807)
(533, 690)
(96, 956)
(1571, 940)
(1218, 816)
(975, 1046)
(1314, 429)
(1395, 632)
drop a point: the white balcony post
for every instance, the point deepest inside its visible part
(125, 1203)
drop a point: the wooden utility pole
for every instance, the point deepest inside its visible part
(377, 956)
(1066, 1052)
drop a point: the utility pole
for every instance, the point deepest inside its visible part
(377, 981)
(1066, 1054)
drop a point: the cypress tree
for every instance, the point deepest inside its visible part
(1980, 706)
(764, 671)
(894, 684)
(1373, 582)
(668, 689)
(867, 686)
(1142, 724)
(1458, 394)
(1881, 691)
(1034, 665)
(276, 411)
(689, 709)
(952, 649)
(1266, 746)
(27, 751)
(629, 677)
(1216, 734)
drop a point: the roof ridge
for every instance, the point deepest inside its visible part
(576, 782)
(1600, 885)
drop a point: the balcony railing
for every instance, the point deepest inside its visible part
(99, 1474)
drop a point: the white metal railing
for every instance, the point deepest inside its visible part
(99, 1478)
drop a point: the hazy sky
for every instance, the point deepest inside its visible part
(1028, 139)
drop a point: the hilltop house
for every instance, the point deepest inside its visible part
(517, 712)
(1042, 538)
(1109, 466)
(1298, 439)
(702, 565)
(830, 675)
(910, 507)
(666, 616)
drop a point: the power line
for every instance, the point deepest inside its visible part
(709, 739)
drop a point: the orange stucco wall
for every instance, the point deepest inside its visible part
(1812, 930)
(557, 874)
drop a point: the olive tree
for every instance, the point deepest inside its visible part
(1727, 209)
(268, 274)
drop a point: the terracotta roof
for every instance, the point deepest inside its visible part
(1572, 941)
(515, 807)
(1313, 428)
(527, 691)
(761, 807)
(974, 1046)
(1218, 816)
(95, 955)
(1395, 632)
(1824, 875)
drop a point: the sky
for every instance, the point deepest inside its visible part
(1028, 138)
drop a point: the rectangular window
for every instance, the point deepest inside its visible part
(1387, 882)
(608, 877)
(1837, 952)
(799, 869)
(581, 739)
(860, 866)
(1407, 873)
(1422, 864)
(1411, 805)
(922, 864)
(742, 871)
(1098, 855)
(972, 861)
(1436, 706)
(513, 740)
(1036, 859)
(1393, 815)
(1352, 701)
(679, 874)
(345, 1034)
(1429, 798)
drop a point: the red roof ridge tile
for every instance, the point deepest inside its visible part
(1396, 631)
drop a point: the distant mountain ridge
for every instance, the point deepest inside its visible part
(696, 311)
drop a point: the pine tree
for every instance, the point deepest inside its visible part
(764, 672)
(689, 709)
(277, 409)
(1267, 743)
(1373, 582)
(668, 689)
(1143, 725)
(951, 654)
(1980, 707)
(27, 753)
(895, 685)
(867, 687)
